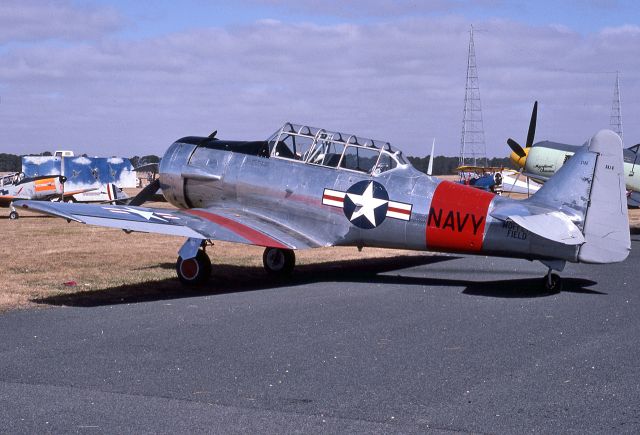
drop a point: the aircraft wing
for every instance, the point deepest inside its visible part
(550, 224)
(213, 223)
(76, 192)
(5, 200)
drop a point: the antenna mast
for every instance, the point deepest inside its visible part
(615, 122)
(472, 148)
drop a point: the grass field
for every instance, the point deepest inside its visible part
(47, 261)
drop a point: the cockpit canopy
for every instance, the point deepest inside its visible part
(13, 178)
(320, 147)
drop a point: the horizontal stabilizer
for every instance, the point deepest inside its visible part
(554, 226)
(633, 199)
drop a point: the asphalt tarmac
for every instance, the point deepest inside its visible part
(435, 344)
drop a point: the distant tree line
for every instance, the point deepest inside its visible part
(442, 165)
(10, 163)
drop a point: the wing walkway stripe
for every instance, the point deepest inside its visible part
(254, 236)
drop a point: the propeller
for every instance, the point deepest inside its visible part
(515, 146)
(146, 194)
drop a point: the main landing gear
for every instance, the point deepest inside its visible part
(194, 266)
(13, 215)
(194, 271)
(278, 261)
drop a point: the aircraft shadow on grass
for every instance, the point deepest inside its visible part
(234, 279)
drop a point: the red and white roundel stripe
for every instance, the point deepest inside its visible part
(399, 210)
(334, 198)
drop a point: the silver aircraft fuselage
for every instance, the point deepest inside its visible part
(312, 199)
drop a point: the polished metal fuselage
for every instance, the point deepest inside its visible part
(289, 193)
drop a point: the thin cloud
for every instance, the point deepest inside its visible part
(401, 81)
(33, 20)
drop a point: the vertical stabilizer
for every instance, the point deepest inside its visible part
(590, 190)
(606, 226)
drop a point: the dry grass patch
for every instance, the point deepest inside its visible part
(46, 259)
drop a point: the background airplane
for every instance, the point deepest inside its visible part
(92, 179)
(542, 159)
(16, 186)
(308, 188)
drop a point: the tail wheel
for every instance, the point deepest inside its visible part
(194, 271)
(278, 261)
(13, 215)
(553, 283)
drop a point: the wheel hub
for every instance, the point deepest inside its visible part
(275, 259)
(189, 268)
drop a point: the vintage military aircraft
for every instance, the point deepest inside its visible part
(308, 188)
(16, 186)
(541, 160)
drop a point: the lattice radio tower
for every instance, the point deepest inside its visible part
(615, 122)
(472, 148)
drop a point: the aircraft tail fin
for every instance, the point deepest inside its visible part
(590, 190)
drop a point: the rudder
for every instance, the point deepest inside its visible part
(606, 225)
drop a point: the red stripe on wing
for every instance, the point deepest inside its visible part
(253, 236)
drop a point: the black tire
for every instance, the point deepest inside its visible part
(14, 215)
(278, 261)
(194, 271)
(553, 285)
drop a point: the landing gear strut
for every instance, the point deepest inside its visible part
(13, 215)
(194, 271)
(552, 282)
(278, 261)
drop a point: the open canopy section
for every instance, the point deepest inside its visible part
(13, 178)
(316, 146)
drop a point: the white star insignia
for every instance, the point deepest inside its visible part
(366, 204)
(145, 214)
(148, 215)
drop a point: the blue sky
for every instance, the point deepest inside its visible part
(162, 16)
(120, 77)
